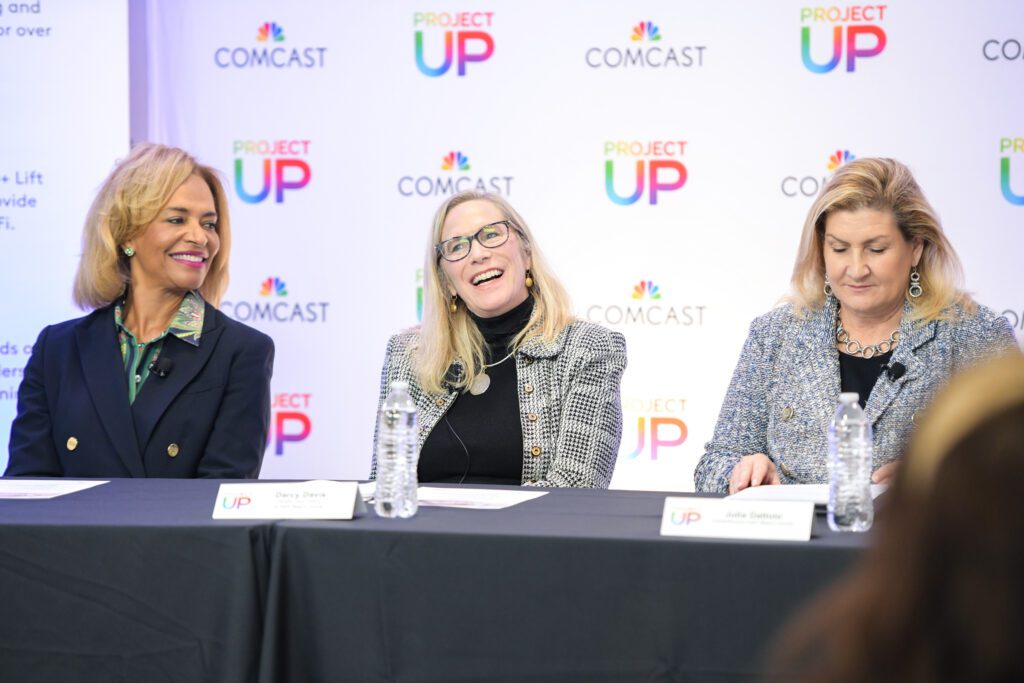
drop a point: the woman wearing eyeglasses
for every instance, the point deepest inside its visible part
(510, 387)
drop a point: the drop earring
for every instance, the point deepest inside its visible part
(529, 279)
(453, 306)
(915, 290)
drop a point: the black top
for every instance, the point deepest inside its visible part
(480, 438)
(860, 374)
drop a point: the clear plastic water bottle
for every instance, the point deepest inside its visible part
(398, 454)
(850, 506)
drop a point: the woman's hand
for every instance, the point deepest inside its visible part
(884, 474)
(754, 470)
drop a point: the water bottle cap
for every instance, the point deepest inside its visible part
(849, 397)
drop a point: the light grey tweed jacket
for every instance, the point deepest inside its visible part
(785, 389)
(569, 403)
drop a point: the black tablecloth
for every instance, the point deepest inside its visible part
(574, 586)
(133, 581)
(130, 581)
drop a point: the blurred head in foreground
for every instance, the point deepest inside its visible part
(941, 595)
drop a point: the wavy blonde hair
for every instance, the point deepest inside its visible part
(883, 185)
(446, 337)
(129, 200)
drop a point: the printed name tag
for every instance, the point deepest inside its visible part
(319, 499)
(726, 518)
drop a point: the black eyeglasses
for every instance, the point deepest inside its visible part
(492, 235)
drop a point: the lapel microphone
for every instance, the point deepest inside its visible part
(893, 370)
(162, 366)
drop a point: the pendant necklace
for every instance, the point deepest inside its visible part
(483, 381)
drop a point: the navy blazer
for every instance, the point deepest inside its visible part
(208, 417)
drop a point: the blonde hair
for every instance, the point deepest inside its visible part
(970, 398)
(883, 185)
(129, 200)
(446, 337)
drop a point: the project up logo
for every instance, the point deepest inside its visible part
(853, 30)
(278, 166)
(633, 168)
(444, 39)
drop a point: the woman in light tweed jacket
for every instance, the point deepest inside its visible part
(509, 387)
(876, 308)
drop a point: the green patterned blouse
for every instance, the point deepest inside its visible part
(186, 325)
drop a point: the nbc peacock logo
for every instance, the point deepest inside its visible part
(647, 289)
(273, 286)
(838, 158)
(270, 31)
(455, 161)
(646, 30)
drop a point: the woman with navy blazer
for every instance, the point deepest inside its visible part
(877, 308)
(155, 382)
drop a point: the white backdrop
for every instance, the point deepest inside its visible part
(723, 108)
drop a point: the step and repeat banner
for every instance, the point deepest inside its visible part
(63, 121)
(663, 153)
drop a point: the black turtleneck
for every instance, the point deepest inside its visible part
(480, 438)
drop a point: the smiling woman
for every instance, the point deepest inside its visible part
(510, 388)
(155, 381)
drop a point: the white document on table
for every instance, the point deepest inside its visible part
(814, 493)
(470, 499)
(42, 489)
(474, 499)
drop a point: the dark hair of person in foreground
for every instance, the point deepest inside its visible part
(940, 596)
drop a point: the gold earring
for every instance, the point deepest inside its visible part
(529, 279)
(453, 307)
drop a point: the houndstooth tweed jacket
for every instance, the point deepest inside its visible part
(569, 404)
(785, 389)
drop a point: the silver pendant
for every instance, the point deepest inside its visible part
(481, 384)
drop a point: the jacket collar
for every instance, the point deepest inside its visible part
(913, 334)
(534, 348)
(103, 369)
(818, 358)
(537, 347)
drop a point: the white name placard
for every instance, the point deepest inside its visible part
(730, 518)
(318, 499)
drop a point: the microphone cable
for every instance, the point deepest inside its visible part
(466, 450)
